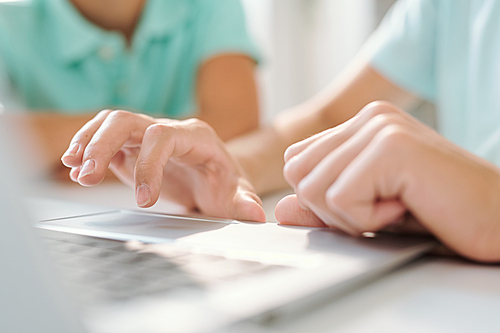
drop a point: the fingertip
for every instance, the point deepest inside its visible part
(147, 185)
(73, 174)
(69, 158)
(70, 161)
(88, 175)
(90, 178)
(248, 208)
(143, 196)
(288, 211)
(88, 168)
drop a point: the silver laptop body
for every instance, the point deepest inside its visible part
(191, 274)
(31, 299)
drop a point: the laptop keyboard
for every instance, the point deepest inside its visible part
(106, 270)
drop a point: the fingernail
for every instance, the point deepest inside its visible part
(142, 195)
(87, 169)
(73, 174)
(72, 150)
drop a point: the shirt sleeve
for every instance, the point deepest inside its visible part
(403, 47)
(12, 33)
(224, 29)
(8, 98)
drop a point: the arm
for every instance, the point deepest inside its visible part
(183, 161)
(261, 152)
(50, 132)
(227, 95)
(255, 159)
(367, 173)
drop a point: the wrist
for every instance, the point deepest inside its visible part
(260, 154)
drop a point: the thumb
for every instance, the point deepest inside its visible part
(247, 206)
(288, 211)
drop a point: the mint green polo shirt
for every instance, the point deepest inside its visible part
(448, 51)
(57, 60)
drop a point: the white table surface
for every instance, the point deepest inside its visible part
(433, 294)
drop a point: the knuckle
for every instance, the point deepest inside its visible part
(183, 126)
(157, 130)
(104, 113)
(393, 136)
(291, 151)
(334, 200)
(294, 171)
(196, 124)
(380, 107)
(308, 191)
(385, 119)
(119, 115)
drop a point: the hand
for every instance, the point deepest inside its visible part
(367, 173)
(181, 161)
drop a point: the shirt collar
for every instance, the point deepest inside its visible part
(77, 37)
(161, 18)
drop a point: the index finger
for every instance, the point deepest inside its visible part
(191, 140)
(102, 139)
(304, 156)
(73, 155)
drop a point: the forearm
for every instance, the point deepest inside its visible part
(456, 196)
(365, 175)
(357, 86)
(261, 152)
(49, 134)
(227, 95)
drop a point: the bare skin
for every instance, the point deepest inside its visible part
(360, 176)
(225, 88)
(366, 174)
(117, 15)
(183, 161)
(261, 152)
(256, 158)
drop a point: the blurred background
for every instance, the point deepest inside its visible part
(306, 43)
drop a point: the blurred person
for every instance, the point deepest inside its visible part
(372, 168)
(67, 59)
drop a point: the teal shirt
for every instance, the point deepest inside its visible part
(57, 60)
(448, 51)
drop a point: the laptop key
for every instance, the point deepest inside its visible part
(108, 270)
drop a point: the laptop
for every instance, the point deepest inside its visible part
(134, 271)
